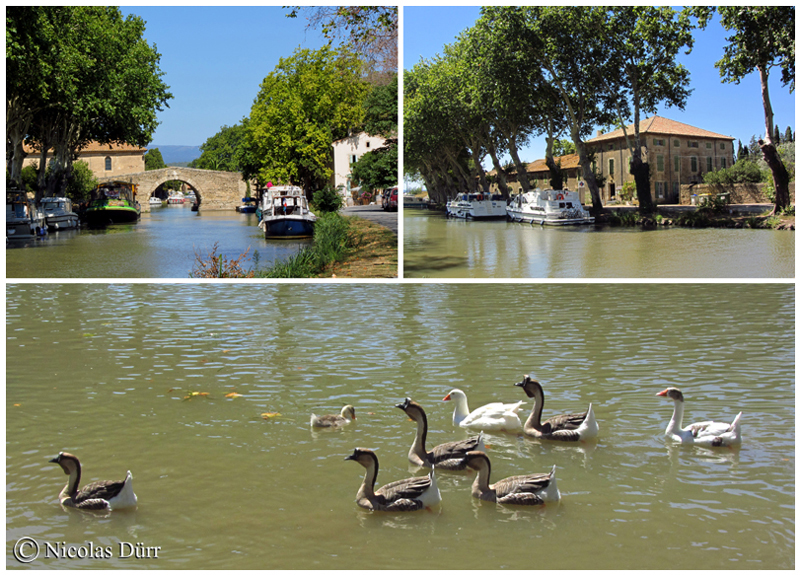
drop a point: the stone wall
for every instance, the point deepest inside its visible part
(740, 193)
(214, 190)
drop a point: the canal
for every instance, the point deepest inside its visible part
(163, 244)
(437, 247)
(138, 377)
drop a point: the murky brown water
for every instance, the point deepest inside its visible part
(435, 247)
(102, 370)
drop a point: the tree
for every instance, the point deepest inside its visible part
(376, 170)
(788, 137)
(153, 160)
(776, 136)
(643, 43)
(311, 99)
(370, 31)
(83, 181)
(563, 147)
(762, 38)
(102, 82)
(222, 151)
(380, 110)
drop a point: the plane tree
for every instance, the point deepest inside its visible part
(762, 38)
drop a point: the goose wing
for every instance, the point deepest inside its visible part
(564, 422)
(403, 495)
(98, 491)
(454, 449)
(519, 484)
(327, 420)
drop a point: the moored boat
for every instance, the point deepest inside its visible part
(249, 206)
(156, 201)
(284, 213)
(477, 206)
(23, 220)
(58, 213)
(549, 207)
(176, 198)
(113, 203)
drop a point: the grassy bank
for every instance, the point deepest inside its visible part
(343, 247)
(700, 218)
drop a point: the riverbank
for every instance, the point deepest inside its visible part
(752, 216)
(375, 256)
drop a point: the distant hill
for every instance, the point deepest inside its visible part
(177, 154)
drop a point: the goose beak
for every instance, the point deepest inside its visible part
(662, 393)
(520, 383)
(54, 460)
(446, 397)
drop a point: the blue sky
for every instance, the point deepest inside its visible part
(214, 59)
(729, 109)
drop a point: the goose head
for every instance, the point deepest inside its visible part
(477, 460)
(673, 393)
(349, 411)
(413, 409)
(68, 462)
(531, 387)
(456, 395)
(364, 457)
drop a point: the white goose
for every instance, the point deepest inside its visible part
(532, 489)
(490, 417)
(100, 495)
(706, 433)
(404, 495)
(334, 420)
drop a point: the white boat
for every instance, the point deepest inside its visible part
(23, 220)
(549, 207)
(156, 201)
(284, 213)
(176, 198)
(58, 213)
(477, 206)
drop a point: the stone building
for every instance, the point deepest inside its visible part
(105, 160)
(539, 175)
(346, 152)
(678, 154)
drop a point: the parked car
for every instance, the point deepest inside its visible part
(389, 200)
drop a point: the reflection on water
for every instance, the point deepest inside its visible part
(435, 247)
(165, 243)
(104, 371)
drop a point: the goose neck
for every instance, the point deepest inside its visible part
(481, 484)
(418, 447)
(677, 418)
(534, 420)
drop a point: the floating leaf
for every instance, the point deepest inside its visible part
(17, 405)
(197, 394)
(270, 415)
(233, 395)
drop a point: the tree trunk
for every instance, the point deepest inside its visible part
(588, 175)
(641, 175)
(522, 171)
(780, 176)
(502, 182)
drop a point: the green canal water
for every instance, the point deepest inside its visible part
(102, 370)
(165, 243)
(435, 247)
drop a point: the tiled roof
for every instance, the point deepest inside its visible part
(568, 162)
(659, 125)
(95, 147)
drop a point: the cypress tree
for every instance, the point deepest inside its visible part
(776, 137)
(788, 137)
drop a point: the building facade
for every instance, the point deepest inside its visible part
(678, 154)
(104, 160)
(346, 152)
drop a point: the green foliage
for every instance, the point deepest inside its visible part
(743, 171)
(327, 200)
(563, 147)
(30, 175)
(380, 110)
(624, 219)
(81, 183)
(78, 74)
(627, 191)
(222, 151)
(377, 169)
(153, 160)
(310, 100)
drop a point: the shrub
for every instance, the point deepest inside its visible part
(743, 171)
(327, 200)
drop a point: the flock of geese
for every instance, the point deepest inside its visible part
(422, 492)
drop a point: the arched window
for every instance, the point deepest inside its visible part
(108, 163)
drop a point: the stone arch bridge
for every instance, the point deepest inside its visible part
(214, 190)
